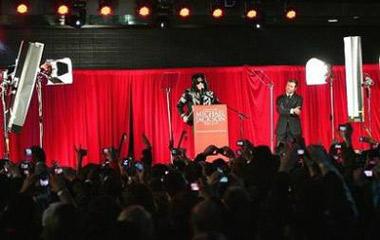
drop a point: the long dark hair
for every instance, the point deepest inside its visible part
(194, 79)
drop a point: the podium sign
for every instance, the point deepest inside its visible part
(210, 126)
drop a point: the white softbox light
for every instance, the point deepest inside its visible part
(354, 77)
(317, 71)
(61, 73)
(29, 68)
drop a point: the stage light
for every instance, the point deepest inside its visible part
(217, 12)
(251, 14)
(217, 9)
(354, 77)
(144, 11)
(317, 71)
(252, 10)
(290, 13)
(105, 11)
(22, 8)
(184, 12)
(63, 9)
(105, 8)
(144, 8)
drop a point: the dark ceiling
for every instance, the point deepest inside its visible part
(310, 13)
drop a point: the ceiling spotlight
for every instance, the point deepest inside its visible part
(105, 11)
(22, 8)
(63, 9)
(217, 9)
(144, 11)
(252, 10)
(290, 13)
(251, 14)
(105, 8)
(184, 12)
(144, 8)
(217, 12)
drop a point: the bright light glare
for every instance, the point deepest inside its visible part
(316, 72)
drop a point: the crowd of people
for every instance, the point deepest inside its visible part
(298, 193)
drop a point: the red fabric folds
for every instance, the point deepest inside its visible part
(102, 104)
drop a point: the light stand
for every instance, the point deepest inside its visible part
(171, 141)
(54, 72)
(265, 79)
(7, 83)
(40, 112)
(367, 84)
(330, 80)
(4, 88)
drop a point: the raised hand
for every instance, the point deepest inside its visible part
(146, 141)
(211, 150)
(228, 152)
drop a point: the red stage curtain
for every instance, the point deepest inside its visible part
(102, 104)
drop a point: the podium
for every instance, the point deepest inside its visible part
(210, 127)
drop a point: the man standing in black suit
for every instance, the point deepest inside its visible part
(289, 107)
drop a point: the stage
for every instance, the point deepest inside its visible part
(101, 105)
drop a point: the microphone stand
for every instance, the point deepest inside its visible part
(242, 117)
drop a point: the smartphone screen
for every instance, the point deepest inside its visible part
(224, 179)
(28, 152)
(44, 182)
(300, 152)
(139, 166)
(194, 187)
(368, 173)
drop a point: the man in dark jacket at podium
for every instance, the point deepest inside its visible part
(198, 94)
(289, 108)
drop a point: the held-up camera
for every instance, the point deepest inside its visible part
(57, 169)
(194, 187)
(240, 143)
(139, 166)
(368, 173)
(223, 179)
(175, 151)
(300, 152)
(127, 162)
(338, 146)
(28, 152)
(26, 168)
(342, 127)
(106, 150)
(44, 180)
